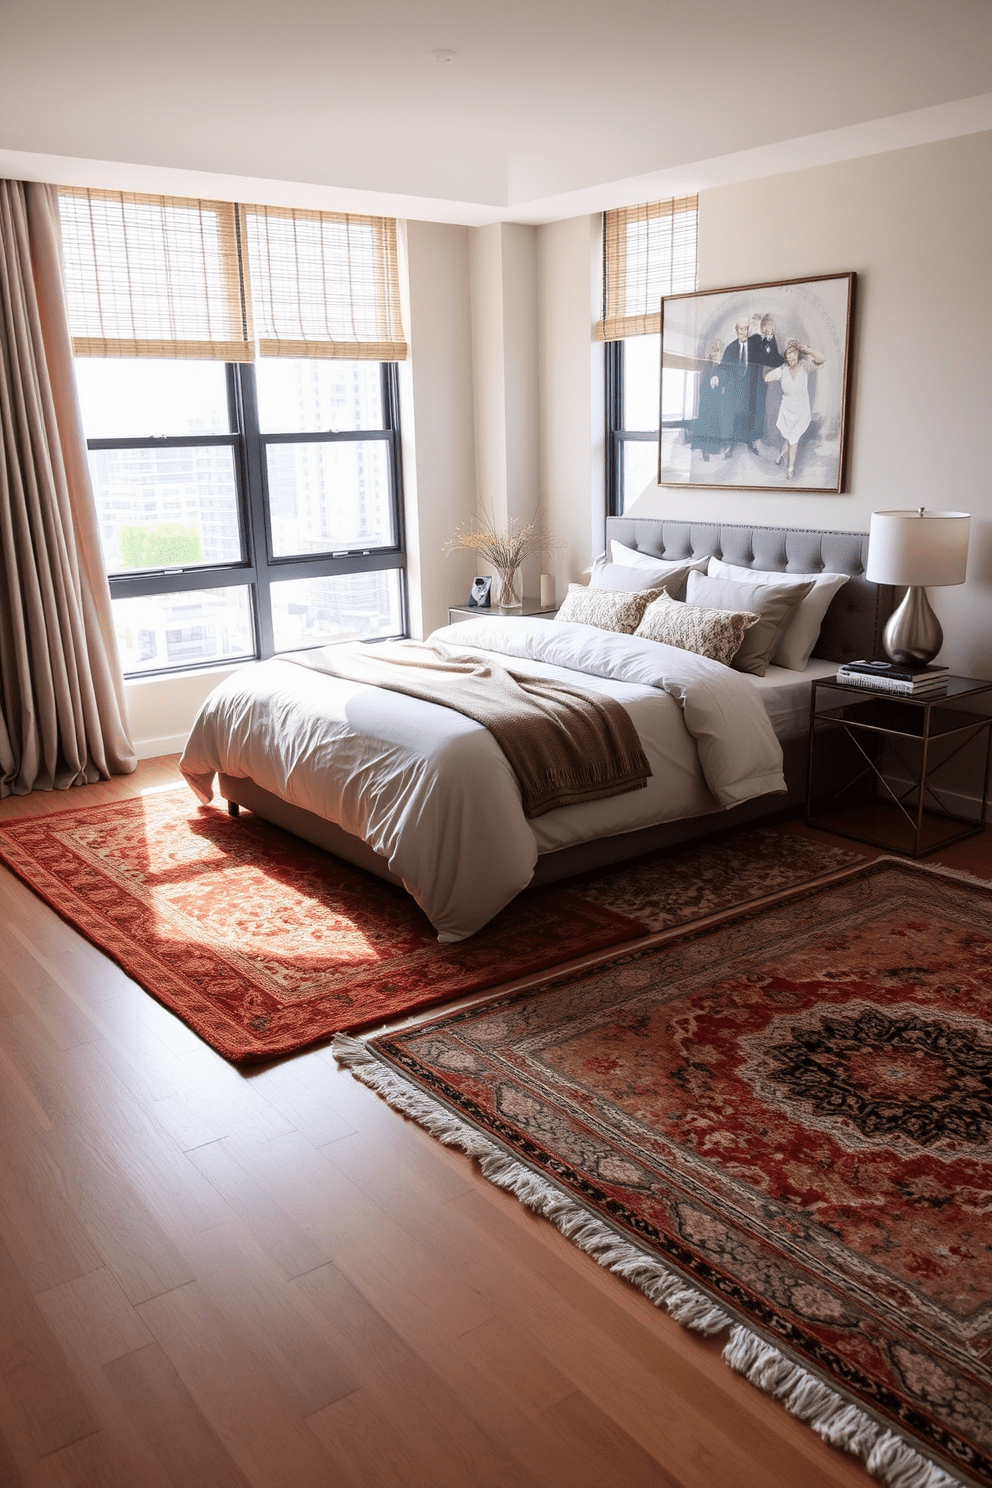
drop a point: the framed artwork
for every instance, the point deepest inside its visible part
(479, 594)
(755, 386)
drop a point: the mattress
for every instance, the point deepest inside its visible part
(785, 696)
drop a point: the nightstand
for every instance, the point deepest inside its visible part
(907, 774)
(474, 612)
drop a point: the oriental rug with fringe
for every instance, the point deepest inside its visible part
(780, 1127)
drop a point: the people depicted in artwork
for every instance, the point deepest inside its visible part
(707, 434)
(763, 352)
(739, 374)
(794, 415)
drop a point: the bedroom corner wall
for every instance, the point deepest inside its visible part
(505, 373)
(571, 393)
(914, 224)
(439, 453)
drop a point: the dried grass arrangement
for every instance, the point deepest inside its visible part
(503, 547)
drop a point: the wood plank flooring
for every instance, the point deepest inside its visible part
(214, 1279)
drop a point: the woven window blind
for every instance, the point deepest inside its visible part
(324, 284)
(153, 276)
(649, 251)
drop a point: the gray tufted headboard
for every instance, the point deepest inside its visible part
(853, 625)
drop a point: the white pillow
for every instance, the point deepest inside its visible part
(633, 559)
(619, 576)
(801, 632)
(773, 604)
(670, 576)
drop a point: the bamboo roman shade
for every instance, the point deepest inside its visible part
(162, 276)
(153, 276)
(324, 284)
(648, 251)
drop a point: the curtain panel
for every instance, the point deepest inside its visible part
(62, 706)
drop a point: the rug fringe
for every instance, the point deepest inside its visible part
(961, 874)
(885, 1455)
(591, 1234)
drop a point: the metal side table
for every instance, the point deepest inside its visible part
(908, 774)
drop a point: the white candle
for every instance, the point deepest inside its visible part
(547, 591)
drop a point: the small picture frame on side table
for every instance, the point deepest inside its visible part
(479, 596)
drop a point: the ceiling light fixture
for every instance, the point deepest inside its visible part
(441, 54)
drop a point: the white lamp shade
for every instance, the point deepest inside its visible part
(905, 547)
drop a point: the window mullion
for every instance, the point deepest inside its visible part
(256, 505)
(614, 428)
(391, 419)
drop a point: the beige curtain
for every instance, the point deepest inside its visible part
(62, 708)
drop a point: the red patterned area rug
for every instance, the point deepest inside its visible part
(263, 944)
(780, 1127)
(680, 885)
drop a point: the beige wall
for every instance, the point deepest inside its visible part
(438, 420)
(503, 259)
(914, 224)
(571, 392)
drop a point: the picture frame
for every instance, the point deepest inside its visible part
(761, 408)
(479, 594)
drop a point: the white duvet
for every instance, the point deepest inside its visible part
(432, 792)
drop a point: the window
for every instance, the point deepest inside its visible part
(648, 251)
(244, 507)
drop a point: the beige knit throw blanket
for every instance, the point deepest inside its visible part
(564, 745)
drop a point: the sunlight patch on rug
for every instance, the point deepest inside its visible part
(263, 944)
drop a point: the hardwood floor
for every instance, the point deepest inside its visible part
(213, 1279)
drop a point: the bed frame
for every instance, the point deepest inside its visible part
(852, 628)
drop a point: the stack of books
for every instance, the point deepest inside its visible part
(889, 676)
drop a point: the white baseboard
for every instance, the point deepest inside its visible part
(960, 802)
(152, 748)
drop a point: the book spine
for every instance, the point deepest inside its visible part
(893, 674)
(891, 684)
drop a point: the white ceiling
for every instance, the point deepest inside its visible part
(546, 110)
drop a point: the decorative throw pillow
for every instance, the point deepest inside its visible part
(713, 633)
(795, 644)
(620, 576)
(774, 604)
(607, 609)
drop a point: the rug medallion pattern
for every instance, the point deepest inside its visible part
(795, 1110)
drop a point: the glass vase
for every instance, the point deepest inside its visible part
(507, 590)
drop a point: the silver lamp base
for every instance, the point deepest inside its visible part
(913, 635)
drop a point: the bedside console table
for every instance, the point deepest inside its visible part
(888, 755)
(472, 612)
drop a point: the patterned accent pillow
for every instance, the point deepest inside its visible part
(607, 609)
(714, 633)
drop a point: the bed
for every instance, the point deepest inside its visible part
(385, 782)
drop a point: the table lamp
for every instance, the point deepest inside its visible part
(916, 548)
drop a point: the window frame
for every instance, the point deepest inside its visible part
(617, 435)
(258, 569)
